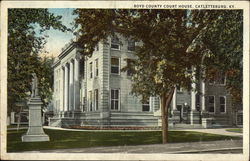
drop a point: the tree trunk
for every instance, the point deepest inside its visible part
(164, 122)
(165, 104)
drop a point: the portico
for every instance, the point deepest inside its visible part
(187, 107)
(71, 85)
(69, 90)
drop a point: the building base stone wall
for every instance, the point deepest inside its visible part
(194, 117)
(139, 119)
(102, 119)
(221, 120)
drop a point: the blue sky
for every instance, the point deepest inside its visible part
(58, 39)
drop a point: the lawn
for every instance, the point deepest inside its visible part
(238, 130)
(15, 126)
(60, 139)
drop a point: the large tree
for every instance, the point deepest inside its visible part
(162, 61)
(221, 44)
(25, 42)
(166, 35)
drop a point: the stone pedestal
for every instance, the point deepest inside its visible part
(35, 131)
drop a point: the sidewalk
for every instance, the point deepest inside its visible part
(219, 131)
(228, 146)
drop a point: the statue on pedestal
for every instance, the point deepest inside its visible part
(35, 132)
(34, 86)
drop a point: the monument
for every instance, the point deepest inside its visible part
(35, 131)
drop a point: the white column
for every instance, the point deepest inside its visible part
(193, 92)
(71, 86)
(76, 85)
(61, 88)
(202, 95)
(193, 98)
(151, 104)
(174, 101)
(66, 104)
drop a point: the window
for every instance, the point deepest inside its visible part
(96, 99)
(131, 45)
(114, 99)
(90, 101)
(82, 68)
(115, 66)
(115, 44)
(211, 104)
(210, 99)
(91, 70)
(129, 65)
(146, 106)
(96, 67)
(222, 104)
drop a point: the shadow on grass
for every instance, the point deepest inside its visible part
(60, 139)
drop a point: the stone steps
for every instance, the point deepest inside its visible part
(55, 122)
(133, 113)
(130, 115)
(185, 126)
(133, 119)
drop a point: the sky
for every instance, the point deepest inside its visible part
(58, 39)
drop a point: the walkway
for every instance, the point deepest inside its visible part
(229, 146)
(219, 131)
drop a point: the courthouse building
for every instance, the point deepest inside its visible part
(93, 91)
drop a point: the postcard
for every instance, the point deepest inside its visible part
(124, 80)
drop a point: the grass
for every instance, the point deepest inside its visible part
(60, 139)
(15, 126)
(238, 130)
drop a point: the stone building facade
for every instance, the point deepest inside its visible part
(93, 91)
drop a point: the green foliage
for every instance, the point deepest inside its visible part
(223, 38)
(61, 139)
(25, 41)
(94, 25)
(45, 75)
(162, 61)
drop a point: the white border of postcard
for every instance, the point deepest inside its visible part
(122, 4)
